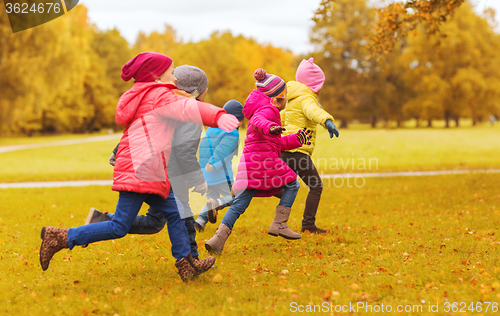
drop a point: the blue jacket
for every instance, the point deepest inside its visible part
(218, 148)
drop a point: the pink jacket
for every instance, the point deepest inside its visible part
(151, 111)
(260, 166)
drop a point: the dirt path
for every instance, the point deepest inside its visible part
(83, 183)
(6, 149)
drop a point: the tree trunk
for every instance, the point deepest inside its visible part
(374, 121)
(418, 122)
(398, 123)
(457, 121)
(429, 123)
(474, 121)
(447, 119)
(343, 124)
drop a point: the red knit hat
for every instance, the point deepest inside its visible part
(146, 67)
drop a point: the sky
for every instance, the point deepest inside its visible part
(282, 23)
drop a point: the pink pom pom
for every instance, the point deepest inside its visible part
(259, 74)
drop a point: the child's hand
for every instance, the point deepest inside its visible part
(332, 129)
(209, 167)
(112, 159)
(303, 136)
(276, 130)
(227, 122)
(201, 188)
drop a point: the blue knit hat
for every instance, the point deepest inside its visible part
(235, 108)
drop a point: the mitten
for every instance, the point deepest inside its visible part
(112, 159)
(276, 130)
(303, 136)
(227, 122)
(332, 129)
(201, 188)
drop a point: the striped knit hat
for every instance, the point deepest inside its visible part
(270, 85)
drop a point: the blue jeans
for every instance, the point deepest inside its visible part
(154, 221)
(129, 204)
(215, 192)
(242, 201)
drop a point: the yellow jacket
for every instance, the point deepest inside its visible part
(303, 110)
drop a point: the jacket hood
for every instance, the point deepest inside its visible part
(131, 100)
(255, 101)
(296, 89)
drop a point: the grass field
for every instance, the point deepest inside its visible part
(396, 241)
(355, 150)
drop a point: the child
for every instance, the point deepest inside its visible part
(183, 168)
(260, 171)
(150, 111)
(217, 149)
(304, 110)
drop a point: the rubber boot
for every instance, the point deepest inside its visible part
(216, 243)
(279, 226)
(53, 240)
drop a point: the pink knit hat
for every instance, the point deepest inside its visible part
(310, 74)
(146, 67)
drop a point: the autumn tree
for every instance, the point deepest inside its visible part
(455, 75)
(355, 87)
(395, 21)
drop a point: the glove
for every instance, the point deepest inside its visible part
(303, 136)
(112, 159)
(227, 122)
(201, 188)
(332, 129)
(209, 167)
(276, 130)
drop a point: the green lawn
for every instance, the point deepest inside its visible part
(408, 150)
(396, 241)
(356, 150)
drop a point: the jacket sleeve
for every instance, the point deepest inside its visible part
(225, 149)
(187, 110)
(261, 123)
(115, 151)
(290, 142)
(314, 112)
(184, 146)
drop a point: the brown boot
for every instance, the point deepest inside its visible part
(53, 240)
(212, 205)
(279, 226)
(189, 268)
(202, 265)
(216, 243)
(313, 230)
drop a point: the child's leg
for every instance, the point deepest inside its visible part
(151, 223)
(238, 207)
(175, 225)
(304, 167)
(129, 204)
(289, 193)
(279, 226)
(212, 193)
(224, 191)
(189, 223)
(241, 202)
(182, 199)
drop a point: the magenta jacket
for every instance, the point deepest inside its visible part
(260, 166)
